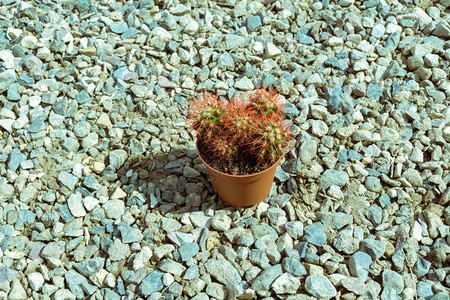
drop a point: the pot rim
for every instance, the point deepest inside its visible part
(238, 176)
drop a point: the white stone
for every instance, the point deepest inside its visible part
(28, 41)
(75, 205)
(191, 28)
(416, 231)
(335, 192)
(162, 33)
(423, 18)
(391, 28)
(7, 124)
(168, 279)
(286, 284)
(315, 80)
(319, 128)
(258, 48)
(36, 280)
(13, 33)
(335, 41)
(360, 65)
(17, 291)
(188, 83)
(244, 84)
(272, 50)
(90, 202)
(378, 30)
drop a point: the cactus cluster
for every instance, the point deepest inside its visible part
(254, 124)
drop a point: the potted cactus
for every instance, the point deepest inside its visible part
(241, 142)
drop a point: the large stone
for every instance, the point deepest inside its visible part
(315, 234)
(393, 280)
(265, 279)
(7, 78)
(333, 177)
(320, 286)
(152, 283)
(286, 284)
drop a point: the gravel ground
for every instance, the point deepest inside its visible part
(102, 193)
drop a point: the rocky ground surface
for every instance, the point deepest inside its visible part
(102, 193)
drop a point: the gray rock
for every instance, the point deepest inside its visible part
(221, 222)
(260, 258)
(118, 251)
(216, 291)
(308, 151)
(319, 128)
(224, 272)
(188, 250)
(53, 250)
(226, 61)
(422, 267)
(15, 159)
(337, 102)
(152, 283)
(36, 126)
(7, 78)
(191, 273)
(6, 274)
(355, 285)
(114, 208)
(244, 84)
(70, 144)
(373, 184)
(374, 248)
(276, 216)
(253, 23)
(91, 183)
(320, 286)
(346, 243)
(90, 140)
(335, 220)
(78, 284)
(117, 158)
(359, 264)
(374, 91)
(265, 279)
(393, 280)
(90, 266)
(172, 267)
(293, 266)
(129, 234)
(68, 179)
(315, 234)
(294, 229)
(28, 194)
(13, 92)
(6, 191)
(333, 177)
(375, 214)
(118, 27)
(286, 284)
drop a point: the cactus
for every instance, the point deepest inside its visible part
(253, 125)
(270, 139)
(267, 102)
(206, 115)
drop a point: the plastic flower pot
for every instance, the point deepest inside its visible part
(242, 190)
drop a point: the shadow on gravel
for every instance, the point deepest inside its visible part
(168, 184)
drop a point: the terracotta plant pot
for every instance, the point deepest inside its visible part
(242, 190)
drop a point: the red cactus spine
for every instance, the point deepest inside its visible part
(270, 139)
(206, 115)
